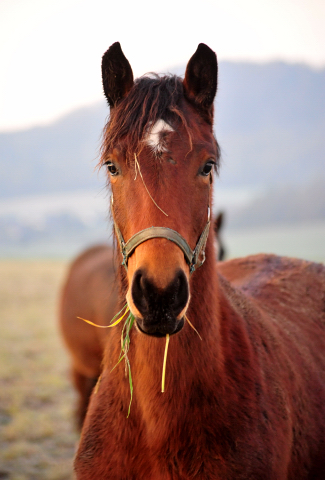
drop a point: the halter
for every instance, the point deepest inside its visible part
(195, 258)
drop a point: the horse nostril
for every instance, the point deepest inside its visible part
(139, 292)
(180, 294)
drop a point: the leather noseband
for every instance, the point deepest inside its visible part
(195, 258)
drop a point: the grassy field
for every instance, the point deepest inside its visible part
(37, 436)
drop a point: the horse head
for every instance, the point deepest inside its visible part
(160, 152)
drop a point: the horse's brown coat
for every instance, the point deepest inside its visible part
(253, 410)
(90, 292)
(246, 402)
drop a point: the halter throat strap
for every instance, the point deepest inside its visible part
(195, 258)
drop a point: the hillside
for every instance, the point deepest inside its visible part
(270, 123)
(60, 157)
(283, 206)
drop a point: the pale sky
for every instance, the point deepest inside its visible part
(50, 50)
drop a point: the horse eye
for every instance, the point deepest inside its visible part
(111, 168)
(207, 168)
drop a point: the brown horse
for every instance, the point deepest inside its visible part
(90, 292)
(248, 400)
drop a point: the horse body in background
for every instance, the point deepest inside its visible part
(248, 400)
(91, 292)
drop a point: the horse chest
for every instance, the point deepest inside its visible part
(180, 452)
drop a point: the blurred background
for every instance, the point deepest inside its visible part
(270, 123)
(270, 117)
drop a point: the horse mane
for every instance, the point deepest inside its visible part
(152, 97)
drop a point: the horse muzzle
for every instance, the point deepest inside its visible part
(160, 310)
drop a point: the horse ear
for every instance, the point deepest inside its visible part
(201, 77)
(117, 75)
(218, 223)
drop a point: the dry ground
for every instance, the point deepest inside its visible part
(37, 436)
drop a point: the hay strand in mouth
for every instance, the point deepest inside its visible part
(125, 345)
(130, 383)
(97, 383)
(192, 326)
(113, 324)
(164, 364)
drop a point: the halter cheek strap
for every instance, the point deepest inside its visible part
(195, 258)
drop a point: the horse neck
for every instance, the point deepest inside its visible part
(188, 355)
(205, 294)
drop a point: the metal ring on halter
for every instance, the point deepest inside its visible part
(192, 256)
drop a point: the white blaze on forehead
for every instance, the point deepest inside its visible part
(154, 139)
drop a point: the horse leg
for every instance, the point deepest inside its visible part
(84, 386)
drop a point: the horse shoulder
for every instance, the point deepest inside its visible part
(257, 273)
(288, 293)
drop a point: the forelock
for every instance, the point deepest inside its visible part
(152, 107)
